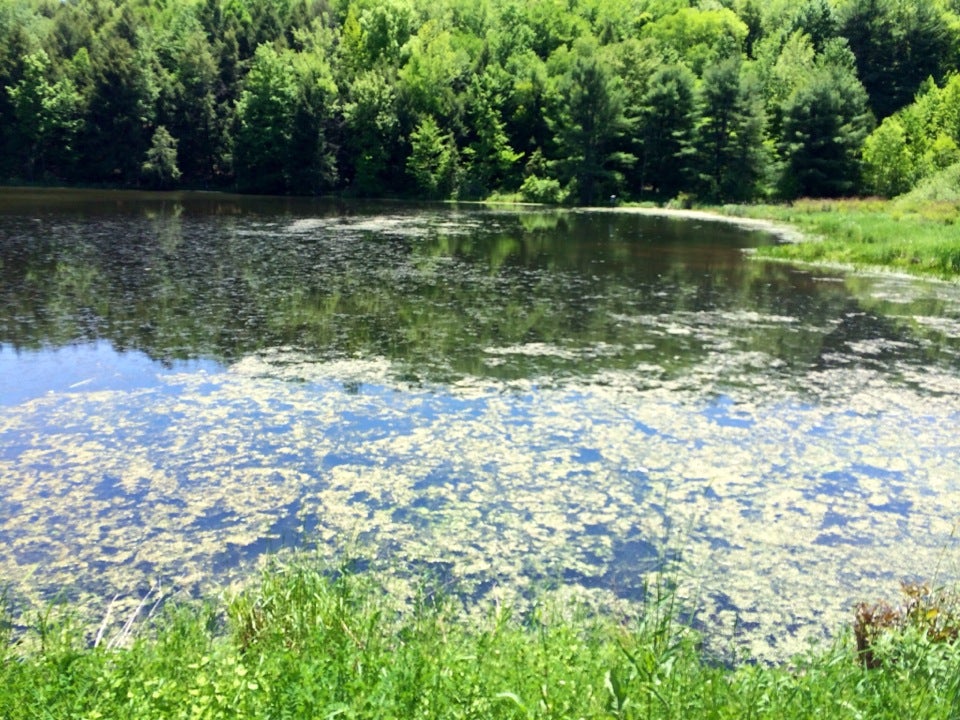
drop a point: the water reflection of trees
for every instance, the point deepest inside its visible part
(598, 291)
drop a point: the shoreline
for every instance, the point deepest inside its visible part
(783, 231)
(824, 247)
(787, 234)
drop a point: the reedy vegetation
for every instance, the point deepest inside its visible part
(905, 235)
(313, 643)
(552, 100)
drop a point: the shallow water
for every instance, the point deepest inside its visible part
(508, 399)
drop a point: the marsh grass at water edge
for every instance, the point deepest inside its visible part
(912, 236)
(310, 642)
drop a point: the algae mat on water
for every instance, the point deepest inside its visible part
(498, 486)
(503, 400)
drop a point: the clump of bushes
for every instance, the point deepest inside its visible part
(542, 190)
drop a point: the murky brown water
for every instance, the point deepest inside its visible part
(508, 399)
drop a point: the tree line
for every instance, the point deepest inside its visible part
(547, 100)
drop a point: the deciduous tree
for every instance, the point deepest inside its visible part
(47, 116)
(265, 115)
(371, 143)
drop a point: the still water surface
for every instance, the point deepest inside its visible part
(505, 398)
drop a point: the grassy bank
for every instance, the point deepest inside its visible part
(920, 237)
(310, 644)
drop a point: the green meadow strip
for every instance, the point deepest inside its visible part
(306, 642)
(916, 237)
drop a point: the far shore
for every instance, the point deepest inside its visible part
(786, 233)
(915, 237)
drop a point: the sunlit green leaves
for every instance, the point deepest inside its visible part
(495, 75)
(265, 114)
(160, 168)
(888, 165)
(282, 121)
(730, 132)
(697, 36)
(311, 639)
(47, 114)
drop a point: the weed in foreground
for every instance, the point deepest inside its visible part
(935, 614)
(308, 642)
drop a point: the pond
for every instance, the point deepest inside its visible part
(514, 401)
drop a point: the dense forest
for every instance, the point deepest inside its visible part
(544, 100)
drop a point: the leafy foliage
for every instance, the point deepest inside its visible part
(265, 122)
(668, 121)
(897, 45)
(916, 143)
(933, 613)
(643, 101)
(433, 163)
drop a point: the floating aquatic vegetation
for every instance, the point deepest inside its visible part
(401, 224)
(113, 490)
(508, 413)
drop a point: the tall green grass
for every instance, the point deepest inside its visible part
(309, 643)
(916, 236)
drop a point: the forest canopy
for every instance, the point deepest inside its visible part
(545, 100)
